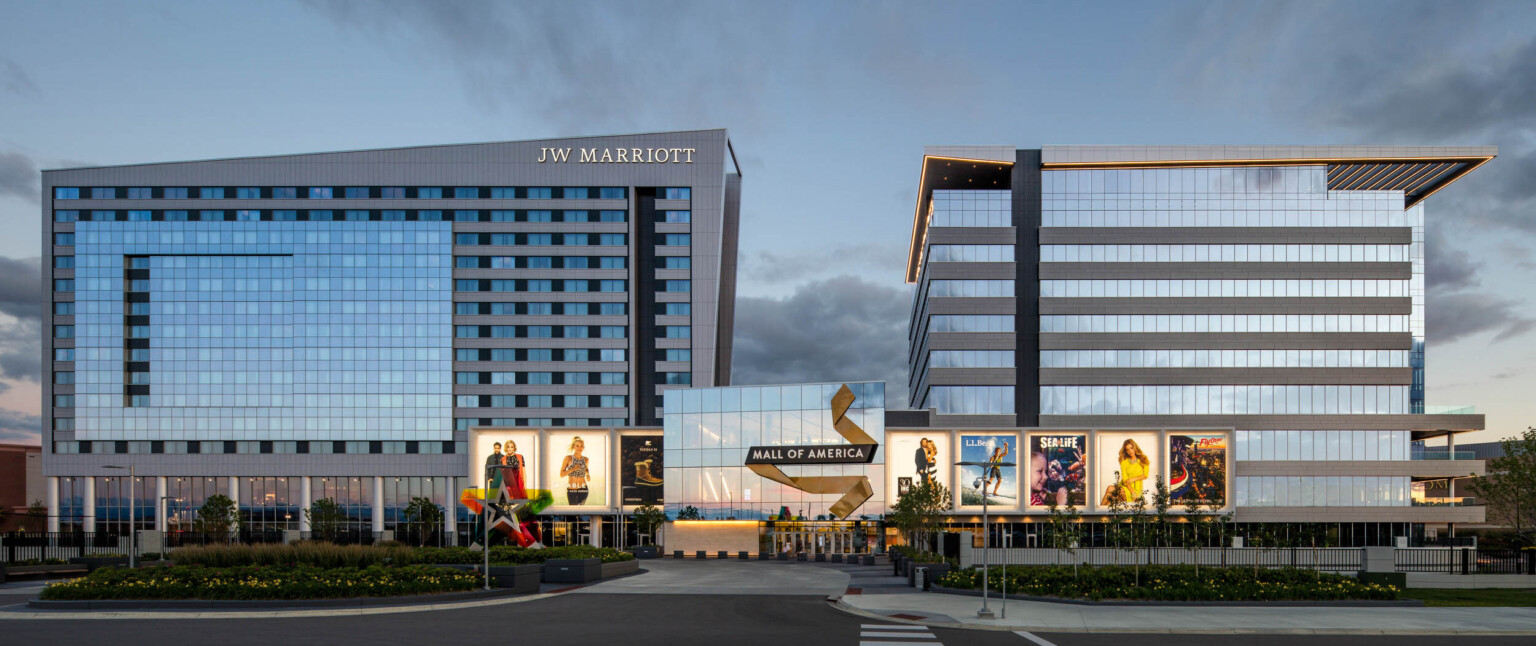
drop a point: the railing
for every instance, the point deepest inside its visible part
(1442, 454)
(27, 546)
(190, 539)
(1445, 410)
(1444, 502)
(1335, 559)
(1465, 561)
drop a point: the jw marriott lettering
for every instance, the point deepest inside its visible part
(842, 454)
(617, 155)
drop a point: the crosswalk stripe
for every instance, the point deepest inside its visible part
(907, 643)
(900, 635)
(1032, 637)
(891, 627)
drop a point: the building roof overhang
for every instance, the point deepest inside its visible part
(946, 172)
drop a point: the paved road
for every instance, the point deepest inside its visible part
(639, 619)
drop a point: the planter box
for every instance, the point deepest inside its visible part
(763, 556)
(935, 570)
(700, 555)
(837, 558)
(783, 556)
(93, 562)
(677, 554)
(742, 556)
(821, 557)
(800, 556)
(619, 568)
(867, 559)
(518, 578)
(723, 555)
(573, 570)
(14, 570)
(646, 552)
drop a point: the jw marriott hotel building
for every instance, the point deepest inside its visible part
(331, 325)
(1272, 292)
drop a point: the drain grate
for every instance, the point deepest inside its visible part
(908, 617)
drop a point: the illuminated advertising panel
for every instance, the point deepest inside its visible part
(578, 468)
(1197, 468)
(999, 484)
(1126, 467)
(640, 470)
(1058, 470)
(912, 458)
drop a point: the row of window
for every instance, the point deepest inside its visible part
(1219, 288)
(1177, 217)
(971, 400)
(1224, 400)
(1225, 253)
(970, 253)
(971, 359)
(1268, 181)
(965, 208)
(347, 215)
(542, 285)
(368, 359)
(541, 239)
(541, 332)
(771, 398)
(1318, 446)
(970, 323)
(351, 192)
(540, 378)
(258, 446)
(544, 309)
(1322, 491)
(466, 423)
(971, 288)
(542, 354)
(545, 262)
(1224, 359)
(541, 401)
(1133, 323)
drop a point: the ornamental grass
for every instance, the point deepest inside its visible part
(327, 555)
(258, 582)
(1171, 583)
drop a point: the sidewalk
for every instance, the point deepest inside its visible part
(959, 611)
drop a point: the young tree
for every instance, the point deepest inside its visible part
(38, 512)
(919, 513)
(647, 518)
(1063, 525)
(219, 517)
(1509, 489)
(689, 512)
(326, 518)
(1162, 520)
(1196, 522)
(425, 515)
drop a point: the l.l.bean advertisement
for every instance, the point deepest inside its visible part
(996, 483)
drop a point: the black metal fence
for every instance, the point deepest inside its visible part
(1466, 561)
(35, 546)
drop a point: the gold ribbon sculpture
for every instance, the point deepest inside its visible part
(855, 489)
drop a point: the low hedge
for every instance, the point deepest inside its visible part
(1172, 583)
(259, 583)
(327, 555)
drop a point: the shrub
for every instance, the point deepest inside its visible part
(259, 582)
(326, 555)
(522, 556)
(1172, 583)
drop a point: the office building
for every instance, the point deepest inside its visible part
(289, 328)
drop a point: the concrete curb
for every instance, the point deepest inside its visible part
(838, 603)
(267, 604)
(1342, 603)
(32, 614)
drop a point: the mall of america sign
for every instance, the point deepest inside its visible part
(765, 460)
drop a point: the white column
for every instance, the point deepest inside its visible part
(594, 530)
(88, 508)
(234, 494)
(378, 505)
(160, 503)
(450, 511)
(306, 496)
(53, 504)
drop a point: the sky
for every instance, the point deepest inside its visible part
(828, 106)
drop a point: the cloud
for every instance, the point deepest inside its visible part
(21, 300)
(16, 426)
(1447, 268)
(802, 264)
(840, 328)
(21, 287)
(1452, 316)
(18, 176)
(14, 79)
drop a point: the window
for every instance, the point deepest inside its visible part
(466, 378)
(64, 401)
(138, 332)
(179, 193)
(248, 193)
(676, 355)
(613, 309)
(64, 239)
(285, 193)
(103, 193)
(466, 331)
(676, 309)
(466, 238)
(138, 378)
(613, 401)
(576, 332)
(541, 354)
(392, 215)
(676, 262)
(321, 216)
(103, 216)
(613, 262)
(683, 193)
(356, 192)
(357, 216)
(466, 216)
(612, 354)
(63, 331)
(676, 378)
(576, 239)
(429, 193)
(540, 193)
(541, 286)
(63, 262)
(575, 286)
(244, 215)
(66, 193)
(576, 262)
(503, 193)
(540, 216)
(674, 239)
(613, 332)
(211, 193)
(466, 262)
(677, 216)
(613, 378)
(540, 332)
(675, 286)
(466, 309)
(612, 216)
(676, 332)
(540, 239)
(429, 216)
(140, 193)
(210, 216)
(64, 378)
(612, 285)
(574, 193)
(175, 216)
(611, 239)
(64, 285)
(466, 354)
(392, 193)
(319, 192)
(66, 216)
(576, 216)
(611, 193)
(138, 309)
(539, 309)
(138, 354)
(466, 285)
(63, 354)
(285, 215)
(466, 192)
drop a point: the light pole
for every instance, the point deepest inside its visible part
(986, 534)
(133, 534)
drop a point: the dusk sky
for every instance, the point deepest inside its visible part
(828, 104)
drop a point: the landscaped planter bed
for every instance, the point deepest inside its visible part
(1170, 583)
(251, 583)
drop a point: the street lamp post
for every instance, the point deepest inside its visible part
(986, 535)
(133, 534)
